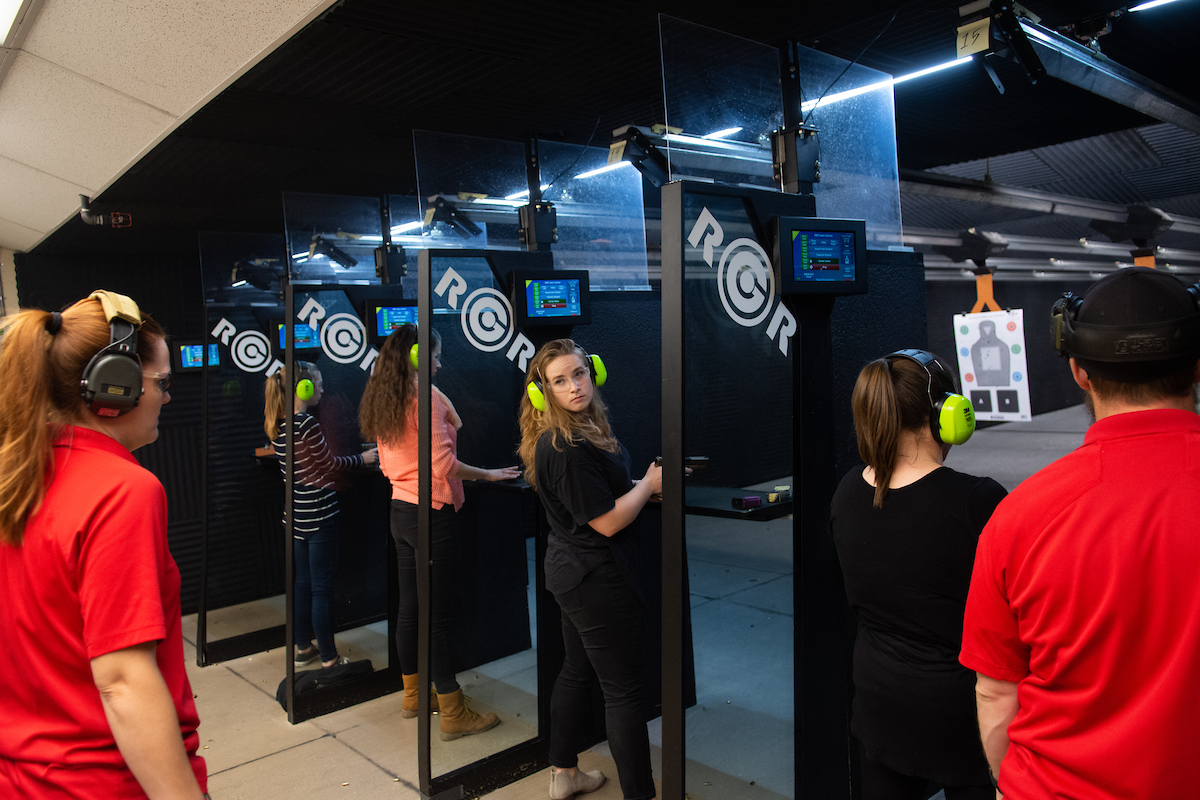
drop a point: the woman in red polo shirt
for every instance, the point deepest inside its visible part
(95, 695)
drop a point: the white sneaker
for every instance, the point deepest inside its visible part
(564, 787)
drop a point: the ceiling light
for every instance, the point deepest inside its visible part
(870, 87)
(721, 134)
(8, 17)
(605, 168)
(1151, 4)
(408, 226)
(524, 193)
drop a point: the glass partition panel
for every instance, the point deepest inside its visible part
(242, 595)
(332, 238)
(338, 517)
(724, 317)
(600, 212)
(857, 123)
(469, 189)
(723, 99)
(481, 575)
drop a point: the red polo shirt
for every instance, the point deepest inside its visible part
(92, 576)
(1086, 593)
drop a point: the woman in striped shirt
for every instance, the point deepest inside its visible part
(314, 500)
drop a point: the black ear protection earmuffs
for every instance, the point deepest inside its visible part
(596, 368)
(112, 380)
(1123, 343)
(951, 416)
(305, 389)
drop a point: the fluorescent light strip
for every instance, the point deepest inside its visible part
(408, 226)
(8, 17)
(709, 143)
(870, 87)
(721, 134)
(524, 193)
(300, 255)
(605, 168)
(1151, 4)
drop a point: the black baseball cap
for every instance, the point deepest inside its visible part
(1153, 325)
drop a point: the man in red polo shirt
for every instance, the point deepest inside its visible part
(1083, 617)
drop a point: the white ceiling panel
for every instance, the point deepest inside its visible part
(168, 53)
(17, 237)
(35, 199)
(88, 133)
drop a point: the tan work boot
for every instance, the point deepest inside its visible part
(459, 720)
(408, 706)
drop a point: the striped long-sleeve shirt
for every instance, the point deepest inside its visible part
(313, 494)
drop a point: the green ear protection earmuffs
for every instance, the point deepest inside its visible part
(412, 356)
(951, 417)
(304, 387)
(599, 373)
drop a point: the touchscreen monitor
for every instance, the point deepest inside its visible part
(389, 317)
(304, 336)
(821, 256)
(551, 297)
(190, 356)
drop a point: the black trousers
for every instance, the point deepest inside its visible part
(404, 531)
(602, 627)
(884, 783)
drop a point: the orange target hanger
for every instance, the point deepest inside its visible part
(984, 299)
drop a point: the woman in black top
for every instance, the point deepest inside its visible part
(581, 473)
(905, 528)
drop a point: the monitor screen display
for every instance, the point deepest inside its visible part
(821, 256)
(389, 318)
(305, 336)
(191, 356)
(551, 297)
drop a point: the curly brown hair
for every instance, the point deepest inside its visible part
(390, 396)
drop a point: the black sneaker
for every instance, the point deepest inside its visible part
(304, 658)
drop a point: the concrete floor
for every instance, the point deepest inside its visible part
(739, 742)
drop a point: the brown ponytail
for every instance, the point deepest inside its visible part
(891, 395)
(47, 396)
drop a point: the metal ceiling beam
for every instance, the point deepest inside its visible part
(1081, 66)
(955, 188)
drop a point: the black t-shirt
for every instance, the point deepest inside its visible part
(907, 567)
(576, 484)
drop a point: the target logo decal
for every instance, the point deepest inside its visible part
(487, 319)
(746, 282)
(251, 351)
(343, 338)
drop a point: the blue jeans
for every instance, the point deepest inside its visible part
(602, 628)
(404, 531)
(316, 565)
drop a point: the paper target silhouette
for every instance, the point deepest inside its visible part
(991, 361)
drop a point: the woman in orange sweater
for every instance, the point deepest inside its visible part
(388, 414)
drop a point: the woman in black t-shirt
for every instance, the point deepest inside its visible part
(581, 473)
(905, 528)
